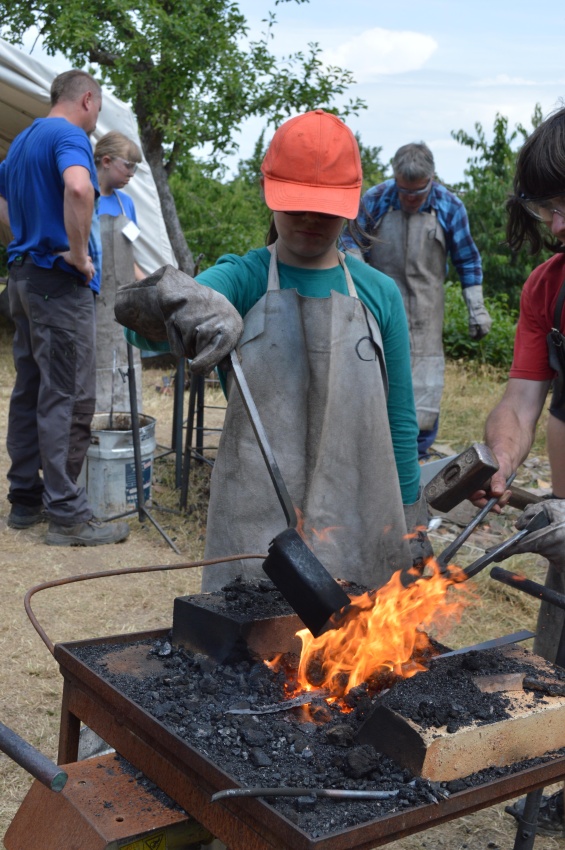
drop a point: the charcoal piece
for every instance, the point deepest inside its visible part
(360, 761)
(260, 758)
(254, 737)
(341, 735)
(305, 804)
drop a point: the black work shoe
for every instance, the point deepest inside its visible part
(24, 516)
(91, 533)
(550, 817)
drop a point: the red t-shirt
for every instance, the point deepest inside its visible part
(537, 306)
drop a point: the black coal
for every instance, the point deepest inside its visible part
(193, 696)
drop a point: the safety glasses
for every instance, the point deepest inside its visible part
(129, 166)
(543, 209)
(415, 192)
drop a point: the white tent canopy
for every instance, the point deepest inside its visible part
(24, 95)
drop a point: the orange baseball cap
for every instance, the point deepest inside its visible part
(313, 164)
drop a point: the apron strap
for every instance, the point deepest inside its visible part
(119, 200)
(273, 282)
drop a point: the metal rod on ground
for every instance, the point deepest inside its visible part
(142, 511)
(38, 765)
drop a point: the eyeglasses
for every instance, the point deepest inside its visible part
(417, 192)
(309, 212)
(543, 209)
(130, 166)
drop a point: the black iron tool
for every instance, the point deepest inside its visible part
(498, 553)
(444, 558)
(460, 477)
(302, 579)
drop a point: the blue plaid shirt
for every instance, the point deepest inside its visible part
(451, 215)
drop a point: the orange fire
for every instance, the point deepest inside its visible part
(384, 631)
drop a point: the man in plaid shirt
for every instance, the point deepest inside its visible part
(406, 227)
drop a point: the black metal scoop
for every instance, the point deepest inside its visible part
(293, 568)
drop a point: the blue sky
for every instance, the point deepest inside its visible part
(426, 67)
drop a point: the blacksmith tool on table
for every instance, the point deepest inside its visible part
(305, 583)
(32, 760)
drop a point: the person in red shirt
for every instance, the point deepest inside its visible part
(537, 216)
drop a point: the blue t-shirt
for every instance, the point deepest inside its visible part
(110, 205)
(31, 181)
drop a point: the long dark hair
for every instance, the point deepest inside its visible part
(540, 173)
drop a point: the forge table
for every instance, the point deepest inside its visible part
(190, 779)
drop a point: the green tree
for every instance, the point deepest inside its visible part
(221, 216)
(186, 70)
(374, 170)
(488, 185)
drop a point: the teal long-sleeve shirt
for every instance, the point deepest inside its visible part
(243, 281)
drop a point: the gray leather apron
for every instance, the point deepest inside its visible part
(112, 393)
(316, 370)
(411, 249)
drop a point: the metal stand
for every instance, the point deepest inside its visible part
(194, 442)
(177, 425)
(527, 826)
(141, 509)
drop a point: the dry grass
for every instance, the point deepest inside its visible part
(31, 691)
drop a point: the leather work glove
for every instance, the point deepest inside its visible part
(417, 519)
(549, 541)
(198, 322)
(136, 307)
(480, 322)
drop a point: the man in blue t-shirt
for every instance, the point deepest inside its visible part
(48, 192)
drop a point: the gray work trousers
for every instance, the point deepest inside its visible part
(53, 399)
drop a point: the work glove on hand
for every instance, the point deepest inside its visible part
(201, 323)
(198, 322)
(417, 518)
(480, 322)
(549, 541)
(136, 307)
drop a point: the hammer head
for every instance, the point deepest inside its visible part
(459, 478)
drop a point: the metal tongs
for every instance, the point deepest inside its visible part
(496, 553)
(445, 557)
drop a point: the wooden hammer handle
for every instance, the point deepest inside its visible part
(521, 498)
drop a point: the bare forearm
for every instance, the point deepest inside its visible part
(510, 436)
(78, 210)
(511, 427)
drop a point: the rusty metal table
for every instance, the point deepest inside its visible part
(190, 779)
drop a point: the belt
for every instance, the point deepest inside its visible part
(20, 259)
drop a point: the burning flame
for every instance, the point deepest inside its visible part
(382, 631)
(323, 536)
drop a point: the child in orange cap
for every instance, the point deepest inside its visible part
(325, 350)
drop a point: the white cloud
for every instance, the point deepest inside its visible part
(379, 51)
(504, 80)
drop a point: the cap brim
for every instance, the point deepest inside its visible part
(282, 196)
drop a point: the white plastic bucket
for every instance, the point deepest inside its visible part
(108, 471)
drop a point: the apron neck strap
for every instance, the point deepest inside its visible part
(273, 282)
(119, 200)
